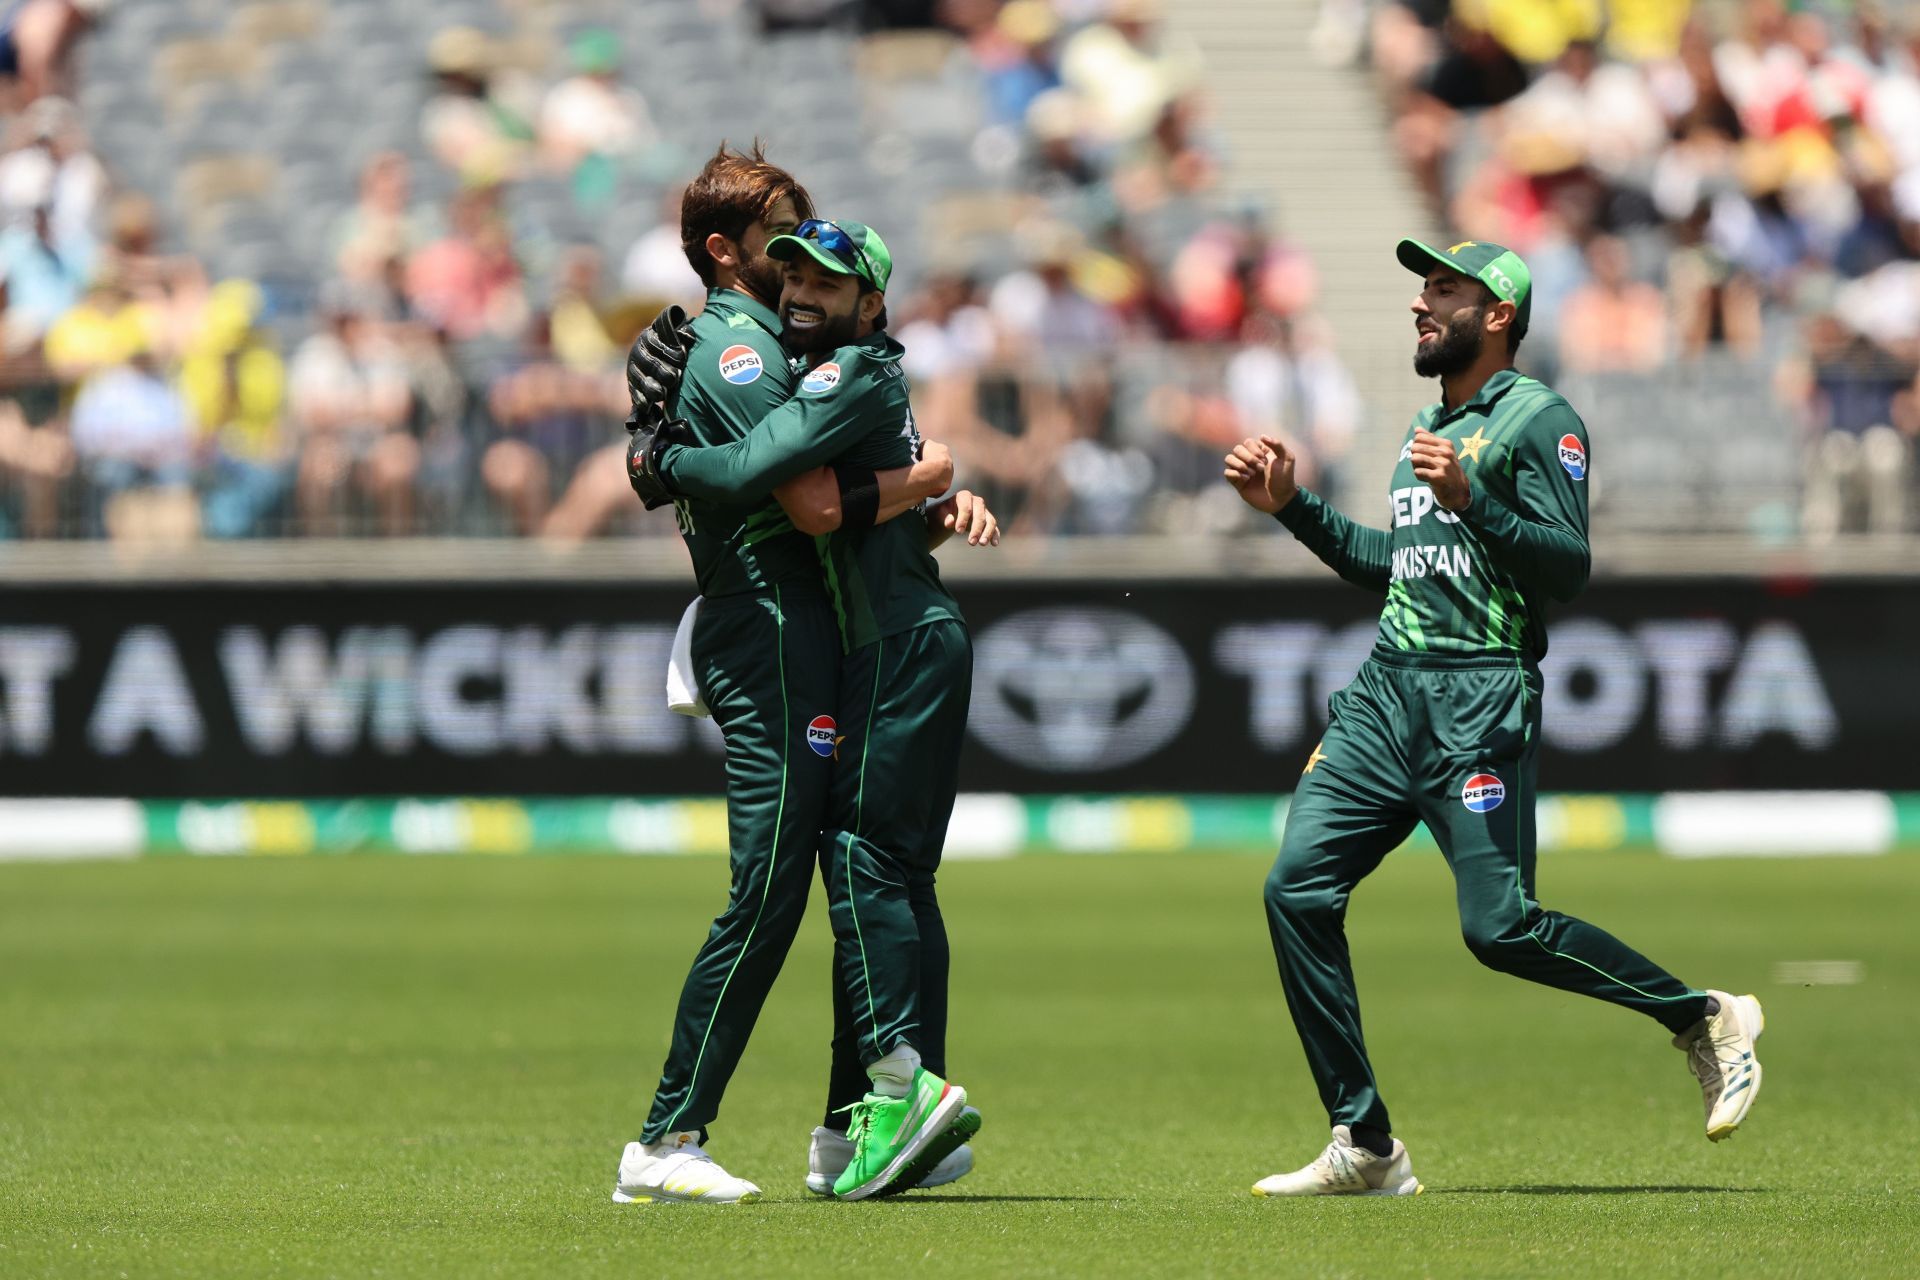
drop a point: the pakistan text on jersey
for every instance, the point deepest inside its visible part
(1424, 562)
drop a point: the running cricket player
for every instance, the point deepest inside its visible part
(1442, 723)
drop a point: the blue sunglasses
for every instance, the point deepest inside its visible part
(829, 236)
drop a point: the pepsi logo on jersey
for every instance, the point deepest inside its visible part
(1483, 793)
(741, 364)
(1573, 456)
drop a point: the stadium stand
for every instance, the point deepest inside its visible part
(386, 256)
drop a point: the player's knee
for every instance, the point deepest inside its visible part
(1289, 896)
(1495, 943)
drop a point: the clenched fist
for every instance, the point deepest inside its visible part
(1435, 463)
(1261, 471)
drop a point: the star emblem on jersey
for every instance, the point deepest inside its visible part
(1317, 756)
(1471, 446)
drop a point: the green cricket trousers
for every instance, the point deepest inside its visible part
(769, 668)
(904, 701)
(1453, 743)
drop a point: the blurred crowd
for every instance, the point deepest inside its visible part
(430, 382)
(1718, 181)
(1118, 239)
(456, 367)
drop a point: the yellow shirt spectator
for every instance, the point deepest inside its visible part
(103, 330)
(237, 399)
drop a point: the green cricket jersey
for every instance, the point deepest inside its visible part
(1473, 582)
(738, 373)
(851, 407)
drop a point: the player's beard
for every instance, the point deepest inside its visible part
(762, 277)
(830, 333)
(1455, 350)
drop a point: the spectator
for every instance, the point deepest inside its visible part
(1713, 304)
(55, 168)
(1286, 381)
(132, 433)
(104, 329)
(235, 383)
(36, 44)
(1604, 111)
(656, 268)
(1469, 69)
(1053, 166)
(470, 123)
(952, 345)
(43, 275)
(1044, 306)
(382, 224)
(589, 120)
(550, 419)
(1613, 323)
(1126, 70)
(1858, 400)
(468, 282)
(439, 418)
(1017, 58)
(350, 402)
(35, 460)
(1893, 105)
(172, 288)
(579, 333)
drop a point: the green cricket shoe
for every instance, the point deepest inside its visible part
(921, 1171)
(890, 1134)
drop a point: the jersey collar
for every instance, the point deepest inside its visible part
(882, 344)
(732, 300)
(1483, 399)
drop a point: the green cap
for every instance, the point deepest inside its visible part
(1494, 265)
(595, 52)
(865, 256)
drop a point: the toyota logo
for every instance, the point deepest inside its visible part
(1071, 689)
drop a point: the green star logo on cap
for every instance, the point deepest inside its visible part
(1494, 265)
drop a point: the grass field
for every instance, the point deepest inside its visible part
(393, 1067)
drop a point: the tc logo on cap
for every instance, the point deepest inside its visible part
(740, 364)
(1483, 793)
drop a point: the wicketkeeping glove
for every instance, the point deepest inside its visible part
(644, 452)
(655, 365)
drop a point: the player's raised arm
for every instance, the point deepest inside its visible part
(1261, 472)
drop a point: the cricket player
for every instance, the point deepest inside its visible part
(1442, 723)
(766, 651)
(905, 683)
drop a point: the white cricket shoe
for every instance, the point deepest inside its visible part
(1346, 1170)
(677, 1169)
(1720, 1052)
(830, 1151)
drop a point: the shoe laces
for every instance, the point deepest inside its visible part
(1340, 1162)
(1704, 1057)
(861, 1123)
